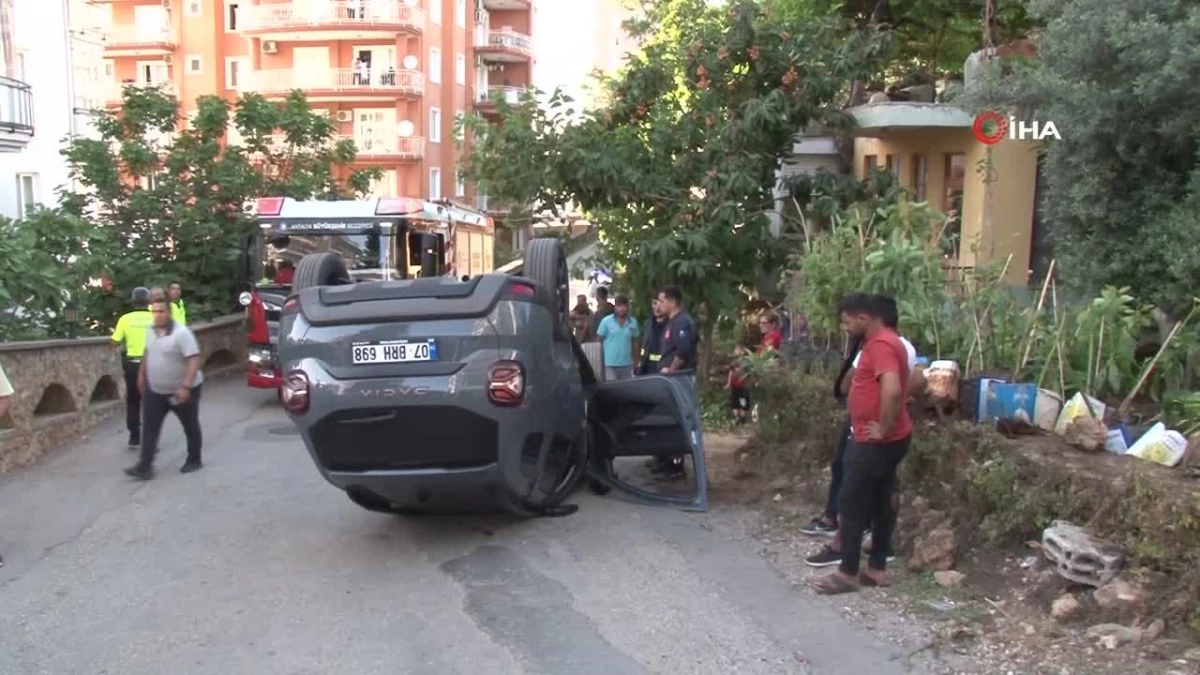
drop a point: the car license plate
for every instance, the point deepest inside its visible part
(397, 351)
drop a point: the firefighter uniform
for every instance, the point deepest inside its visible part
(652, 346)
(130, 333)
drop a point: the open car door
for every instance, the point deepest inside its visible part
(649, 416)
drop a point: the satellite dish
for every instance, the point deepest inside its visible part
(405, 129)
(409, 62)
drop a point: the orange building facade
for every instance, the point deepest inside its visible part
(394, 75)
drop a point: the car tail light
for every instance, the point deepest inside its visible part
(506, 383)
(258, 322)
(517, 290)
(294, 392)
(269, 206)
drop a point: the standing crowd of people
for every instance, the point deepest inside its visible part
(161, 361)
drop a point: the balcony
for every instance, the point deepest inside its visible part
(380, 149)
(139, 41)
(503, 46)
(341, 84)
(506, 5)
(485, 99)
(338, 20)
(16, 114)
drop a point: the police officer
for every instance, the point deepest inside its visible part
(178, 310)
(130, 334)
(652, 340)
(679, 342)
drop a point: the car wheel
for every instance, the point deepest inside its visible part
(320, 269)
(546, 265)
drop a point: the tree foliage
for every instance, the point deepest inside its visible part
(156, 201)
(678, 169)
(1118, 80)
(928, 37)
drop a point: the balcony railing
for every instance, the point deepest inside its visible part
(133, 37)
(507, 40)
(382, 147)
(336, 15)
(16, 114)
(341, 79)
(510, 95)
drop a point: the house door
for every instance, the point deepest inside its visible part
(152, 73)
(375, 130)
(310, 67)
(378, 59)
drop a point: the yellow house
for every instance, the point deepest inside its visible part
(933, 152)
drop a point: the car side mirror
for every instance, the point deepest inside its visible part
(431, 259)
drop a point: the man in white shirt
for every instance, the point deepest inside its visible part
(827, 523)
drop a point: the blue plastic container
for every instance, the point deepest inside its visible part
(1009, 401)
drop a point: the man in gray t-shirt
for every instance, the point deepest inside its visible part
(170, 381)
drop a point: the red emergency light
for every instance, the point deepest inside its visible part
(398, 206)
(269, 206)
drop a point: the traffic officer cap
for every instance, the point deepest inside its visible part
(141, 296)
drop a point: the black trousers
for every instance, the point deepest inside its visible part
(865, 496)
(155, 407)
(836, 471)
(133, 398)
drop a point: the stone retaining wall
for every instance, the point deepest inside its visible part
(64, 387)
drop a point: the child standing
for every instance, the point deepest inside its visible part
(739, 397)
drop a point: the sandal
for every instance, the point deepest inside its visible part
(834, 584)
(866, 580)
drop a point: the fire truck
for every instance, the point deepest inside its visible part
(379, 239)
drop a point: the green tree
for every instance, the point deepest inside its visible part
(1122, 187)
(174, 199)
(678, 169)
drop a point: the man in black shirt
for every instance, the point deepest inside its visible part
(679, 341)
(603, 309)
(652, 340)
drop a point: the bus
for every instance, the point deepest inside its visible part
(379, 239)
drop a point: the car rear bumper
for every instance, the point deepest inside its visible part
(435, 490)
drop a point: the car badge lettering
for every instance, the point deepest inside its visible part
(394, 392)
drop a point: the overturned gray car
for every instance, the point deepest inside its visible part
(441, 395)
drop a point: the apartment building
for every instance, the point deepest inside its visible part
(42, 44)
(393, 75)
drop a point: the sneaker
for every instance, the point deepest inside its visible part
(866, 549)
(191, 466)
(140, 471)
(135, 441)
(826, 557)
(817, 528)
(666, 466)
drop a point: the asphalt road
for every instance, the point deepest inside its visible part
(255, 565)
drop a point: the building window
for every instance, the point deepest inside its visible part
(231, 17)
(193, 7)
(460, 13)
(235, 68)
(869, 164)
(893, 164)
(460, 69)
(435, 11)
(459, 120)
(26, 193)
(435, 125)
(195, 65)
(435, 183)
(920, 176)
(956, 171)
(460, 186)
(435, 65)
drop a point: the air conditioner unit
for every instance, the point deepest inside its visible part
(478, 61)
(345, 116)
(270, 47)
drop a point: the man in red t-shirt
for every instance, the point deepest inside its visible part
(882, 434)
(772, 336)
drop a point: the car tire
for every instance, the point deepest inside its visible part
(594, 351)
(546, 265)
(320, 269)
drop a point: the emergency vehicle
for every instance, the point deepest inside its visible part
(379, 239)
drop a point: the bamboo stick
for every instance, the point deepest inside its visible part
(1033, 321)
(1175, 330)
(1062, 367)
(1100, 349)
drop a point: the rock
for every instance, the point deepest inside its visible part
(879, 97)
(948, 578)
(1078, 557)
(932, 520)
(920, 505)
(936, 550)
(1153, 631)
(1122, 595)
(1086, 433)
(1167, 649)
(1113, 635)
(1065, 608)
(1192, 654)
